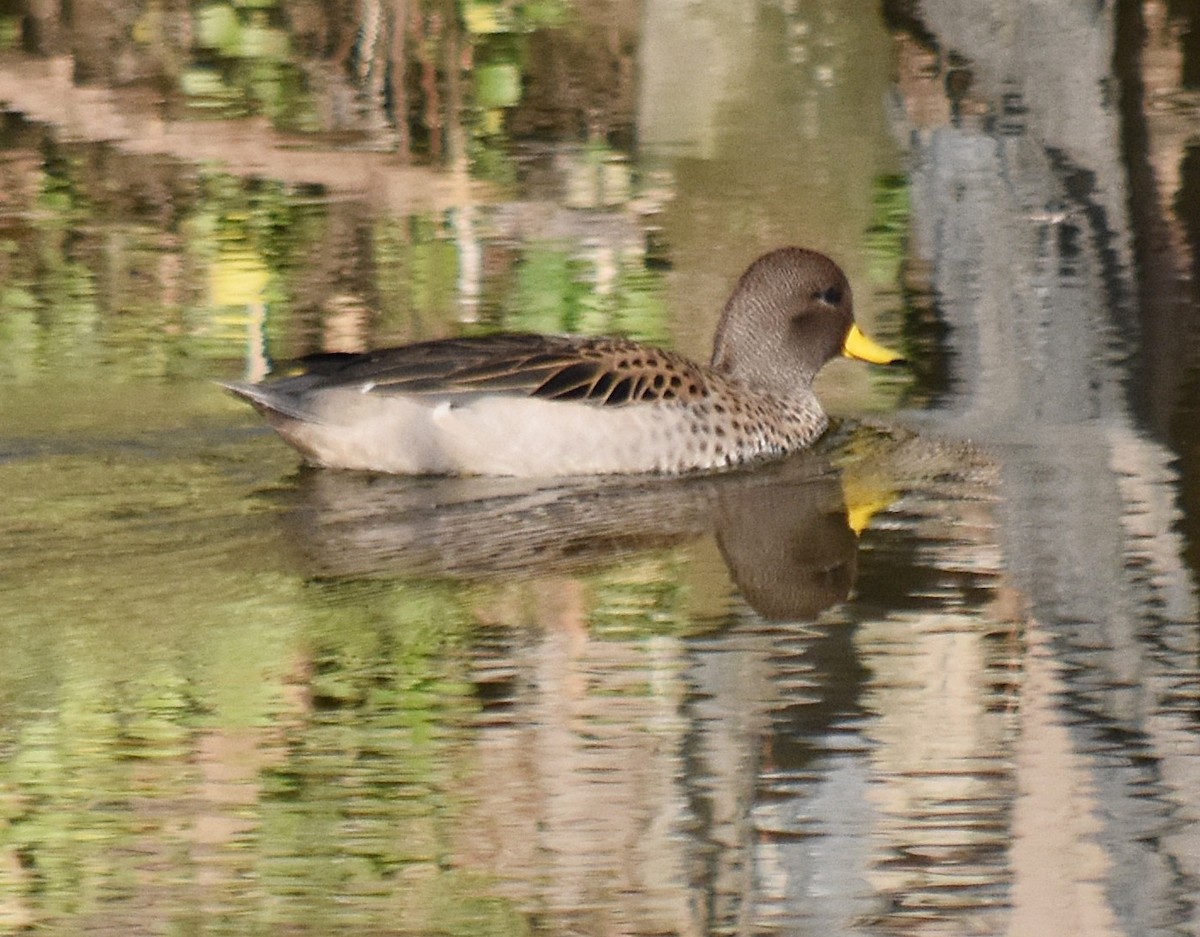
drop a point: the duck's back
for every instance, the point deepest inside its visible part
(519, 404)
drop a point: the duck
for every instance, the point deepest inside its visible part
(529, 405)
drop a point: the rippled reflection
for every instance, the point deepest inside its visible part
(936, 677)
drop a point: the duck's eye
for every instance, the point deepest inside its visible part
(831, 295)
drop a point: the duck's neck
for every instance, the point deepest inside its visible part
(764, 377)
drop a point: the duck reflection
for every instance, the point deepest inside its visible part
(636, 777)
(783, 531)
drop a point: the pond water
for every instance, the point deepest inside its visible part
(939, 676)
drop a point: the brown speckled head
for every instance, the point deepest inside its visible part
(788, 315)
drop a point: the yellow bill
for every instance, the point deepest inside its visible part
(864, 499)
(857, 345)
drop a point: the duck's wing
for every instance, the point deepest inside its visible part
(604, 372)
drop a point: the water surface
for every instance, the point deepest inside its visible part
(936, 677)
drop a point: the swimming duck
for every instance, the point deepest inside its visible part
(543, 405)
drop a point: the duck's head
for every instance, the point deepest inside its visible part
(790, 313)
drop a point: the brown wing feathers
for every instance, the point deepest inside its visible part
(605, 372)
